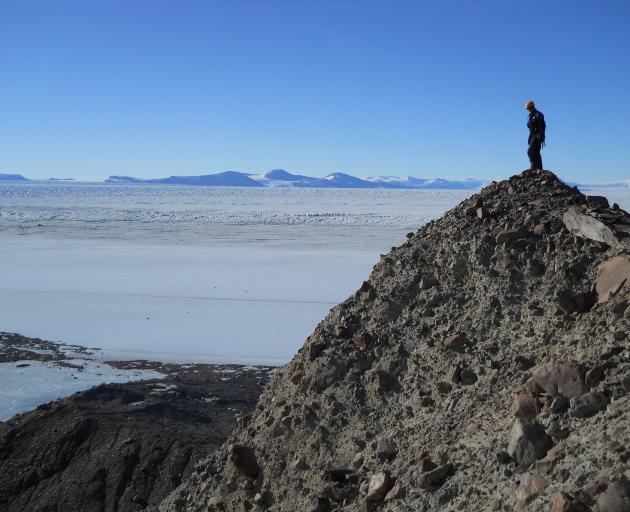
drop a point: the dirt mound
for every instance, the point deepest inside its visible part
(484, 365)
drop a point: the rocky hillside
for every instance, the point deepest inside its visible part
(484, 365)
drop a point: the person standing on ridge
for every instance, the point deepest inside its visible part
(536, 140)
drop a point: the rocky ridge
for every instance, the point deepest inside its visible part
(484, 365)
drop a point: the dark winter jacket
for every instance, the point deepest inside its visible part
(536, 125)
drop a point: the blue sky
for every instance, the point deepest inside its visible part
(422, 88)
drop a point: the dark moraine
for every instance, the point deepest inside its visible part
(119, 447)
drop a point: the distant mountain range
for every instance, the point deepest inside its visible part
(279, 178)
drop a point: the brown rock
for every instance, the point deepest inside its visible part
(525, 406)
(562, 502)
(565, 378)
(546, 464)
(531, 485)
(456, 342)
(362, 339)
(612, 275)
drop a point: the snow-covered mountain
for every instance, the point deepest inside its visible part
(282, 178)
(425, 183)
(12, 177)
(223, 179)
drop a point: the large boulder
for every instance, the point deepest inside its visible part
(566, 378)
(589, 227)
(612, 275)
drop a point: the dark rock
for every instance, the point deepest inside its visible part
(597, 202)
(385, 450)
(524, 363)
(244, 459)
(528, 443)
(432, 480)
(588, 405)
(468, 377)
(616, 498)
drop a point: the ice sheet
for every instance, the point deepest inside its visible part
(164, 302)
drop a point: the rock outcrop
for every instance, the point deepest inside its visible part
(484, 365)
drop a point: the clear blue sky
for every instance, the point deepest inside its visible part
(423, 88)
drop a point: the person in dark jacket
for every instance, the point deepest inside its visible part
(536, 140)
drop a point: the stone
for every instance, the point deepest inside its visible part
(428, 281)
(357, 461)
(341, 331)
(467, 377)
(528, 443)
(565, 378)
(598, 202)
(531, 485)
(482, 213)
(381, 381)
(506, 237)
(588, 404)
(503, 457)
(456, 342)
(562, 502)
(433, 479)
(296, 376)
(585, 226)
(560, 405)
(395, 492)
(315, 349)
(427, 465)
(378, 486)
(524, 363)
(244, 459)
(385, 450)
(616, 498)
(362, 339)
(595, 375)
(612, 275)
(547, 463)
(540, 229)
(525, 406)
